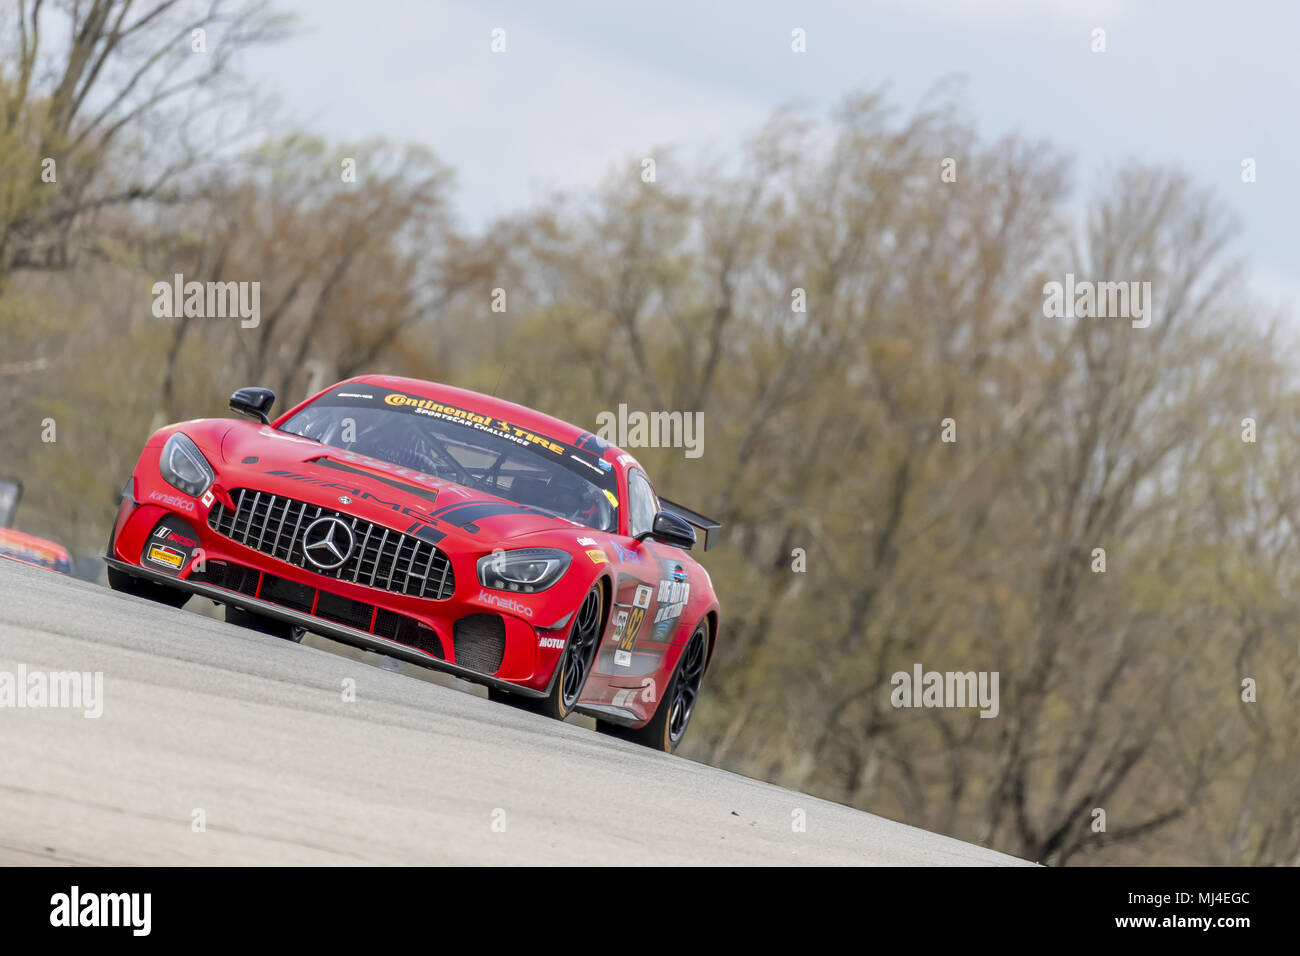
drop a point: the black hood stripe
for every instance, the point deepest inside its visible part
(465, 514)
(425, 532)
(427, 494)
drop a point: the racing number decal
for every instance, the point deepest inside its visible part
(635, 618)
(625, 633)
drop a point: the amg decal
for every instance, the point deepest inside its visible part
(358, 492)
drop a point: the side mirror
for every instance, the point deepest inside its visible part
(253, 402)
(674, 530)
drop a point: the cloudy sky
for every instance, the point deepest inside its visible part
(585, 84)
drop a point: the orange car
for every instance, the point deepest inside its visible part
(35, 551)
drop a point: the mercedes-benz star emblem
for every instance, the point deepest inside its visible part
(327, 542)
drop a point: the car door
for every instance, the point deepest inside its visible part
(627, 665)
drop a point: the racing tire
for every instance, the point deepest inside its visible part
(263, 624)
(667, 727)
(139, 587)
(575, 663)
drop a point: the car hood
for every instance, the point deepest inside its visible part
(258, 456)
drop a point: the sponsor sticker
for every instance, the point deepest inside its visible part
(627, 624)
(627, 555)
(584, 458)
(160, 554)
(486, 423)
(504, 603)
(673, 596)
(587, 464)
(167, 534)
(176, 501)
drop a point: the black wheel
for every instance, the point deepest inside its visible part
(267, 625)
(139, 587)
(575, 663)
(668, 726)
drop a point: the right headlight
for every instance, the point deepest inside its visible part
(526, 570)
(183, 466)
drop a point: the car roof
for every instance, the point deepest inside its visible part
(516, 414)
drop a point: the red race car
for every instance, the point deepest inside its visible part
(439, 526)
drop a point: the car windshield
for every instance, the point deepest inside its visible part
(460, 445)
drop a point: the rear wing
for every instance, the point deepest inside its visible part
(695, 518)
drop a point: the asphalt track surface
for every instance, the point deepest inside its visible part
(199, 715)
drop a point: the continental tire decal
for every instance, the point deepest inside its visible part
(585, 459)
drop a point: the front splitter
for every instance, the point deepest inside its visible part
(338, 632)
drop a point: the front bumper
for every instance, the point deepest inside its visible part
(339, 632)
(440, 633)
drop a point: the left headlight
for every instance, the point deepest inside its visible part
(526, 570)
(183, 466)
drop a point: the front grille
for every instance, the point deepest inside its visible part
(322, 604)
(232, 577)
(380, 557)
(408, 631)
(480, 642)
(343, 610)
(300, 597)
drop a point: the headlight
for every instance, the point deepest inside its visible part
(183, 466)
(526, 570)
